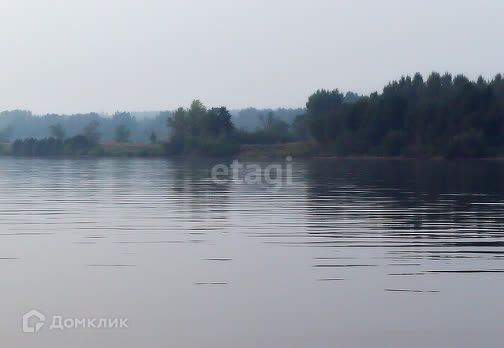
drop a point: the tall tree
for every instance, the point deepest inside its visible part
(91, 132)
(6, 134)
(57, 131)
(122, 134)
(153, 138)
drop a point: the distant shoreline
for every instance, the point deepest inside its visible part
(310, 150)
(299, 150)
(100, 150)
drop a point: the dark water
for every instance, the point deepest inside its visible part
(350, 254)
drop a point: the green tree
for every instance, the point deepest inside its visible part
(321, 107)
(201, 130)
(122, 134)
(6, 134)
(178, 123)
(57, 131)
(91, 132)
(153, 138)
(441, 116)
(195, 116)
(216, 122)
(300, 127)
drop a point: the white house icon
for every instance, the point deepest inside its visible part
(33, 321)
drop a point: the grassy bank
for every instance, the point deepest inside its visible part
(128, 150)
(102, 150)
(252, 152)
(296, 150)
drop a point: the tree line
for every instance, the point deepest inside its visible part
(19, 124)
(442, 116)
(195, 130)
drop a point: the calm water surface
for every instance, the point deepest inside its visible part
(351, 254)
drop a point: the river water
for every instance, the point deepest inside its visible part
(338, 253)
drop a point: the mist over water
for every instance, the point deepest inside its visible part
(353, 253)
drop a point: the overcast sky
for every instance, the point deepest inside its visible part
(69, 56)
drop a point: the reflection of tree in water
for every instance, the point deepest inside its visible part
(415, 199)
(193, 190)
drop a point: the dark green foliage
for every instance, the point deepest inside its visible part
(443, 116)
(299, 127)
(468, 144)
(263, 136)
(77, 145)
(153, 138)
(320, 109)
(6, 134)
(273, 131)
(201, 131)
(175, 146)
(217, 122)
(122, 134)
(34, 147)
(57, 131)
(92, 133)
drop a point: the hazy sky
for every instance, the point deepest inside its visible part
(70, 56)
